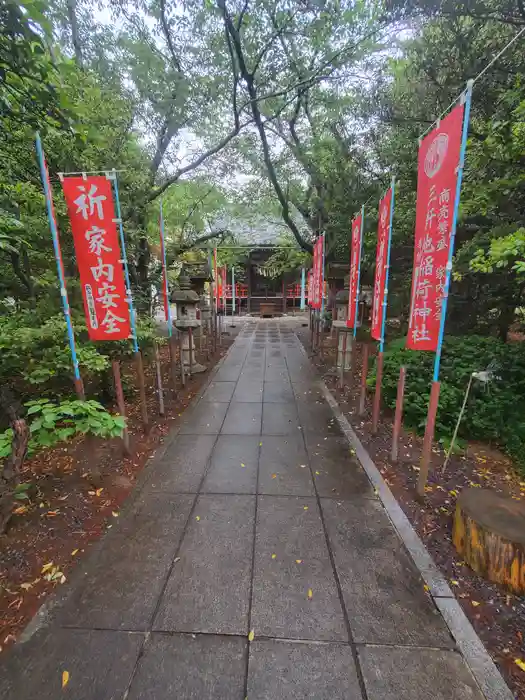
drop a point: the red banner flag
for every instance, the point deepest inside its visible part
(92, 214)
(317, 276)
(355, 257)
(383, 231)
(438, 161)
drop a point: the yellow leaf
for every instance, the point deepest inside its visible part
(251, 636)
(454, 582)
(75, 551)
(274, 476)
(475, 603)
(242, 464)
(426, 587)
(453, 493)
(99, 491)
(198, 517)
(65, 678)
(260, 444)
(20, 510)
(46, 567)
(305, 507)
(317, 473)
(310, 593)
(298, 561)
(274, 556)
(520, 664)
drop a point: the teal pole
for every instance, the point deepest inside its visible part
(385, 292)
(60, 269)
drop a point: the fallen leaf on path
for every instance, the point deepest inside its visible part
(520, 664)
(305, 507)
(242, 464)
(251, 636)
(475, 603)
(65, 678)
(274, 556)
(198, 517)
(310, 593)
(46, 567)
(298, 561)
(75, 551)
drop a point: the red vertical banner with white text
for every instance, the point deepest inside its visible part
(383, 232)
(355, 256)
(438, 163)
(165, 296)
(92, 214)
(317, 277)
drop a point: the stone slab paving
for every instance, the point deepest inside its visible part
(256, 517)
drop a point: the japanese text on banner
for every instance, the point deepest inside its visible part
(318, 274)
(383, 232)
(92, 215)
(438, 162)
(355, 256)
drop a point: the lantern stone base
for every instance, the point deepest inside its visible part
(196, 367)
(343, 330)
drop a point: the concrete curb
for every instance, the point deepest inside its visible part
(469, 644)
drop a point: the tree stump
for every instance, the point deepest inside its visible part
(489, 532)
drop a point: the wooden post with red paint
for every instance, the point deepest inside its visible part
(119, 393)
(377, 395)
(398, 417)
(364, 373)
(426, 455)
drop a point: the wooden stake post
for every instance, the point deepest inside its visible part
(364, 373)
(377, 395)
(158, 371)
(120, 403)
(399, 413)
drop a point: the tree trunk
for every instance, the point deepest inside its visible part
(10, 475)
(489, 533)
(75, 39)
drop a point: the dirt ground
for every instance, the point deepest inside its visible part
(77, 490)
(497, 617)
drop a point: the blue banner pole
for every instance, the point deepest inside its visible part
(359, 269)
(302, 289)
(435, 387)
(165, 270)
(79, 387)
(376, 407)
(461, 166)
(112, 175)
(385, 293)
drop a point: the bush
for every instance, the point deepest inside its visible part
(494, 413)
(52, 423)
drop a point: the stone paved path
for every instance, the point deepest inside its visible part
(255, 518)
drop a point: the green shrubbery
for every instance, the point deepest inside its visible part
(50, 423)
(495, 413)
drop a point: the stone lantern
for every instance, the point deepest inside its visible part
(186, 300)
(341, 305)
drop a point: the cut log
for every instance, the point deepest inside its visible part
(489, 533)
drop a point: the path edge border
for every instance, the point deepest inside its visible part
(477, 658)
